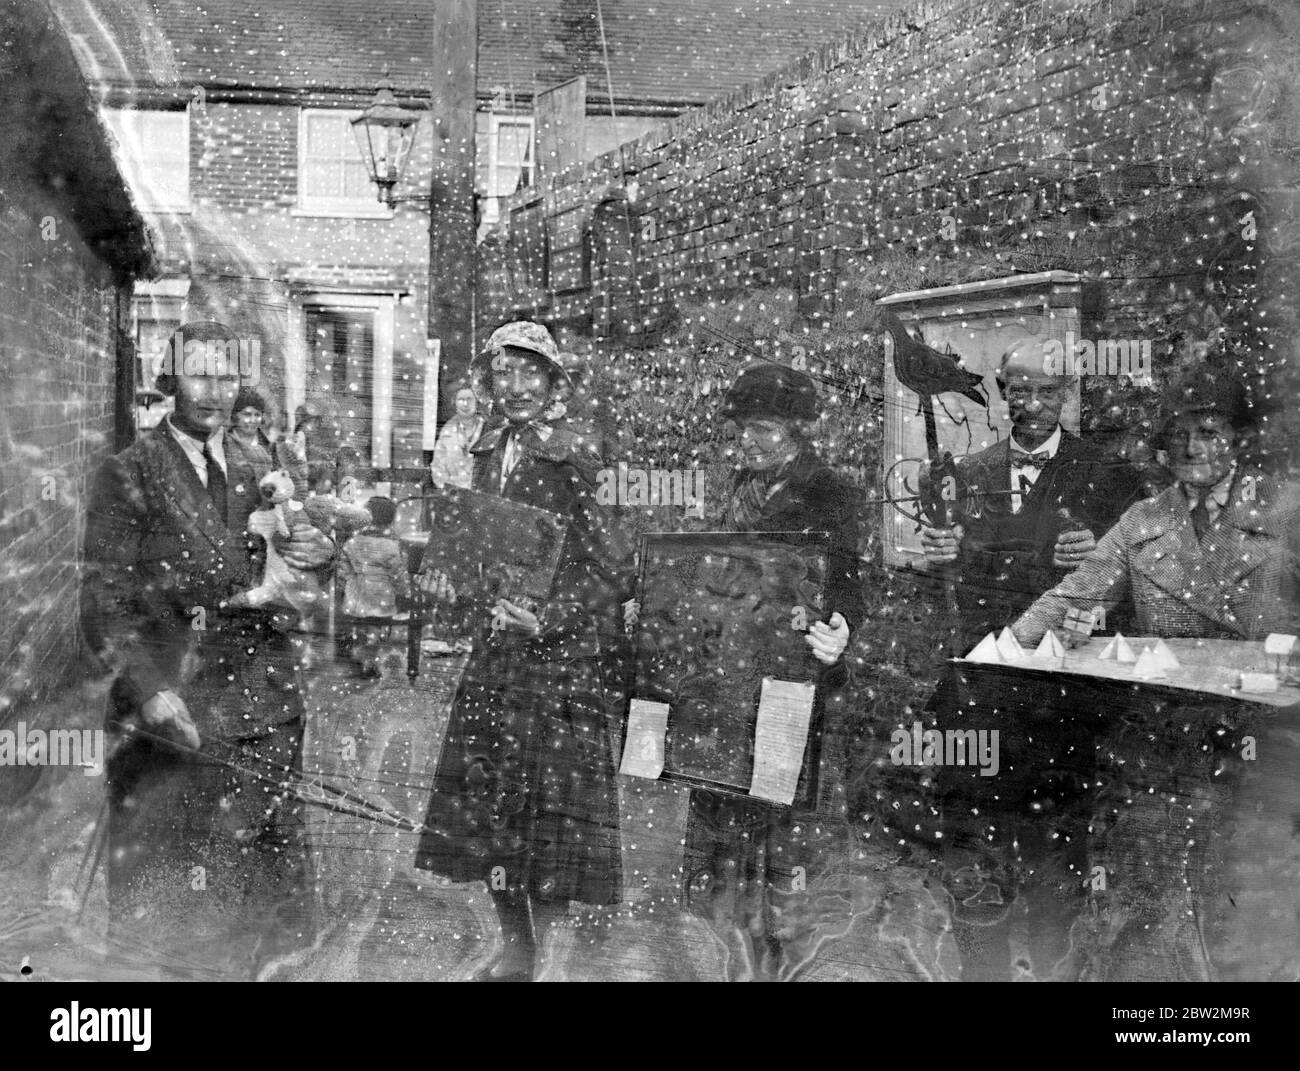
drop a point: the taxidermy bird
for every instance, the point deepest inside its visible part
(927, 371)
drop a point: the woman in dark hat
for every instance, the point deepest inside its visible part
(745, 857)
(524, 797)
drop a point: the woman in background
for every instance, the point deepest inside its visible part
(452, 464)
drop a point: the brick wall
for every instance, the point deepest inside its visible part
(58, 325)
(1149, 147)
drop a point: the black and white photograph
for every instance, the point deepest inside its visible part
(658, 491)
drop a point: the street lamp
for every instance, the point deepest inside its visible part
(385, 132)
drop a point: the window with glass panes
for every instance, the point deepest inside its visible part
(510, 160)
(332, 173)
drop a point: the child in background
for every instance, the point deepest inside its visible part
(376, 584)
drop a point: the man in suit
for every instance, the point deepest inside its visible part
(1042, 498)
(207, 868)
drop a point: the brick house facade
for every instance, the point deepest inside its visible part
(71, 245)
(235, 128)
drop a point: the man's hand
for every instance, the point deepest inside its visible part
(828, 639)
(506, 615)
(307, 548)
(631, 615)
(941, 544)
(165, 713)
(437, 586)
(1072, 547)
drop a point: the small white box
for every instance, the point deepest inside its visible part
(1259, 682)
(1280, 643)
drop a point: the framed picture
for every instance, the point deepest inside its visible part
(722, 625)
(491, 547)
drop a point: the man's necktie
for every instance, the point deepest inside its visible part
(1201, 517)
(216, 481)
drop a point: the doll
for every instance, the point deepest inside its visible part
(274, 520)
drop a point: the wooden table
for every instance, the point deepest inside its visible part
(1152, 818)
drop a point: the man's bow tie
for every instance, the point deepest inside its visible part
(1022, 460)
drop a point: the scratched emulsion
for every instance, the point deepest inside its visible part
(750, 182)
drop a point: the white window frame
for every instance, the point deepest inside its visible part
(367, 206)
(137, 169)
(495, 122)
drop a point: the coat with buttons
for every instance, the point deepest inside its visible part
(524, 796)
(1240, 581)
(159, 564)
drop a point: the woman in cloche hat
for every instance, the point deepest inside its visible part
(524, 797)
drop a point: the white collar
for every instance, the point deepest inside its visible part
(192, 445)
(1050, 447)
(1218, 494)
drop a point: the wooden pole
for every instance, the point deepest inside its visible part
(453, 257)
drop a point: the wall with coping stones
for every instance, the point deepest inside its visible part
(1149, 147)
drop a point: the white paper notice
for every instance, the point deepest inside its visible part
(784, 714)
(643, 750)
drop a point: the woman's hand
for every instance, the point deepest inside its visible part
(506, 615)
(828, 639)
(437, 586)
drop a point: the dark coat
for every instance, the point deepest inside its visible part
(1005, 561)
(157, 553)
(159, 561)
(738, 850)
(526, 778)
(812, 498)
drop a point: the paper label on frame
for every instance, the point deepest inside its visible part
(784, 714)
(643, 750)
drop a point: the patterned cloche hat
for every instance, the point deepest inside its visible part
(522, 335)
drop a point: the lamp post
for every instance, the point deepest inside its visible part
(385, 132)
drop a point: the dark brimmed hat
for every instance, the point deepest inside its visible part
(520, 335)
(1204, 389)
(771, 390)
(248, 398)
